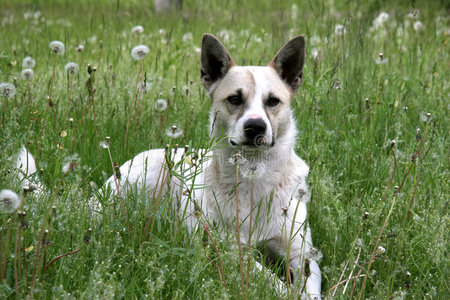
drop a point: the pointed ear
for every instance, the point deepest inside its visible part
(216, 61)
(289, 61)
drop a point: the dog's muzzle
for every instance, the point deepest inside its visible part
(255, 134)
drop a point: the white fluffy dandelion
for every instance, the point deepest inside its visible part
(139, 52)
(137, 29)
(339, 29)
(418, 26)
(7, 90)
(187, 37)
(57, 47)
(253, 170)
(237, 159)
(9, 201)
(26, 74)
(79, 48)
(160, 105)
(28, 62)
(380, 250)
(70, 163)
(380, 20)
(174, 132)
(71, 68)
(314, 254)
(315, 53)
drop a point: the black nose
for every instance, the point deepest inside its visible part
(254, 128)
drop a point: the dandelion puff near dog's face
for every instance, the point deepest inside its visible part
(139, 52)
(160, 105)
(26, 74)
(57, 47)
(71, 68)
(28, 62)
(174, 132)
(7, 90)
(9, 201)
(253, 171)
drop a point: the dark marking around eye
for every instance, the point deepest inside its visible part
(236, 99)
(272, 101)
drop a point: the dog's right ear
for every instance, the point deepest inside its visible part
(216, 61)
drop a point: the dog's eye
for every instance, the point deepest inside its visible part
(273, 101)
(235, 100)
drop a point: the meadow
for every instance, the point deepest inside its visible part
(373, 120)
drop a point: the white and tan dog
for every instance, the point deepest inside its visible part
(251, 107)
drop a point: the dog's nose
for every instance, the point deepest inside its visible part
(254, 128)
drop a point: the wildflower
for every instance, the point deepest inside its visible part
(139, 52)
(337, 85)
(339, 29)
(162, 31)
(63, 133)
(418, 26)
(425, 117)
(137, 29)
(28, 62)
(253, 171)
(160, 105)
(174, 132)
(26, 74)
(380, 250)
(79, 48)
(380, 20)
(71, 68)
(187, 37)
(315, 53)
(314, 254)
(9, 201)
(58, 47)
(381, 59)
(7, 90)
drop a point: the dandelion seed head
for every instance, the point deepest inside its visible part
(139, 52)
(7, 90)
(380, 250)
(174, 132)
(28, 63)
(418, 26)
(26, 74)
(339, 29)
(237, 159)
(145, 86)
(9, 201)
(71, 68)
(137, 29)
(253, 171)
(315, 53)
(187, 37)
(70, 163)
(79, 48)
(160, 105)
(57, 47)
(380, 20)
(314, 254)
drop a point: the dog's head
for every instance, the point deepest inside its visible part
(251, 105)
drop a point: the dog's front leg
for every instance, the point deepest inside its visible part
(302, 261)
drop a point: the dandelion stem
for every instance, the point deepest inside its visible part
(238, 228)
(141, 83)
(58, 257)
(250, 235)
(376, 245)
(132, 105)
(16, 256)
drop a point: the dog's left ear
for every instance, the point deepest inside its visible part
(289, 61)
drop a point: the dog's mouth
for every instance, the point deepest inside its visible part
(257, 142)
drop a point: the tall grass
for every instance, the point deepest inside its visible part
(378, 214)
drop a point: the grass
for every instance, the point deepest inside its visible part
(346, 140)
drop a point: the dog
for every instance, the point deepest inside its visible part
(252, 173)
(251, 107)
